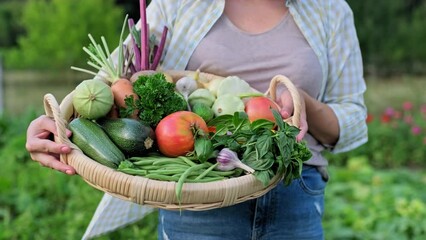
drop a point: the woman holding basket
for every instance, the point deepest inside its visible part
(314, 44)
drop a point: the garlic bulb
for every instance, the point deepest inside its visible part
(228, 160)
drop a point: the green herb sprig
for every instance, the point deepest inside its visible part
(158, 99)
(269, 150)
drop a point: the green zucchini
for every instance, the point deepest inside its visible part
(95, 143)
(131, 136)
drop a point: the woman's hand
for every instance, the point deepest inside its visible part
(44, 150)
(322, 121)
(285, 101)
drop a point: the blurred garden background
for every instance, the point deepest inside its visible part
(377, 191)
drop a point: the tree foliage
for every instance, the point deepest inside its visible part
(391, 34)
(56, 31)
(51, 32)
(9, 26)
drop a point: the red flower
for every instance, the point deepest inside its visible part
(423, 108)
(407, 106)
(390, 112)
(397, 115)
(408, 119)
(369, 118)
(416, 130)
(385, 118)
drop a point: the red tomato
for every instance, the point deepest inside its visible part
(212, 129)
(260, 108)
(175, 133)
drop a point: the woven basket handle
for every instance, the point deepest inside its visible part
(51, 107)
(295, 119)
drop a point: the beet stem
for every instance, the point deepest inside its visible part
(160, 49)
(144, 36)
(135, 46)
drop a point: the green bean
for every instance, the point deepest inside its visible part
(148, 167)
(191, 174)
(144, 162)
(184, 176)
(209, 173)
(203, 174)
(173, 178)
(132, 171)
(199, 172)
(167, 171)
(144, 158)
(150, 159)
(169, 161)
(161, 177)
(188, 161)
(169, 166)
(222, 173)
(205, 179)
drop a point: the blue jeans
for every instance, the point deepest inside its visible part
(286, 212)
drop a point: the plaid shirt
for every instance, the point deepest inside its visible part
(328, 27)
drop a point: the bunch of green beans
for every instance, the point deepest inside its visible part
(180, 169)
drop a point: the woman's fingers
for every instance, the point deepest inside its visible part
(46, 146)
(287, 109)
(44, 150)
(286, 104)
(51, 161)
(47, 153)
(303, 126)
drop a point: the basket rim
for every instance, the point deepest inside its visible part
(161, 194)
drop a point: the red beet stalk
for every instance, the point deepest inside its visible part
(144, 37)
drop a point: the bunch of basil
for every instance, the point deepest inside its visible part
(267, 147)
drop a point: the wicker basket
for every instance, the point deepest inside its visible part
(161, 194)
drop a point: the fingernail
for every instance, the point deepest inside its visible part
(64, 149)
(69, 172)
(284, 114)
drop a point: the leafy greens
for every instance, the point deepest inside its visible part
(158, 99)
(269, 151)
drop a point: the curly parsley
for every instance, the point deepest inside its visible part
(158, 99)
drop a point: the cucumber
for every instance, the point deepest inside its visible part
(131, 136)
(94, 142)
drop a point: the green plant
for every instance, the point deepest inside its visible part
(390, 33)
(397, 137)
(11, 126)
(56, 30)
(365, 203)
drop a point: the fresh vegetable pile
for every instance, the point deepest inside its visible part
(143, 122)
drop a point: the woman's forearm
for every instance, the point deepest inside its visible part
(322, 121)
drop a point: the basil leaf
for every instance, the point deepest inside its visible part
(263, 176)
(252, 160)
(221, 120)
(278, 119)
(240, 120)
(203, 149)
(221, 130)
(284, 146)
(288, 177)
(261, 123)
(264, 144)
